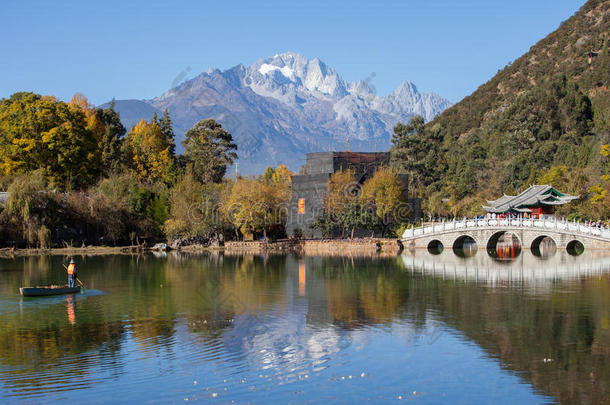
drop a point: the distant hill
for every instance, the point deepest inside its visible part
(542, 118)
(282, 107)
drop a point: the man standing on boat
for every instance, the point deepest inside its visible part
(71, 269)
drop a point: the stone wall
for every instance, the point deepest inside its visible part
(321, 247)
(313, 190)
(310, 187)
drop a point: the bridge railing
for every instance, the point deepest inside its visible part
(473, 223)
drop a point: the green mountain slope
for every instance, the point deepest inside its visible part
(542, 119)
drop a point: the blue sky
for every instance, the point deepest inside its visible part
(136, 49)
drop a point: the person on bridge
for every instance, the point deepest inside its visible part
(72, 273)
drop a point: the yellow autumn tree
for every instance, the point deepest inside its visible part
(281, 174)
(148, 153)
(256, 207)
(384, 190)
(281, 181)
(384, 193)
(557, 176)
(341, 189)
(92, 121)
(40, 132)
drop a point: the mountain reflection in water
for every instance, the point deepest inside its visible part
(310, 329)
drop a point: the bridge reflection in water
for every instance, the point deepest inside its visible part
(507, 247)
(524, 267)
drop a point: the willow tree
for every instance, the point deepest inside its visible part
(30, 206)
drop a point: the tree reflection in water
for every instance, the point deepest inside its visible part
(296, 313)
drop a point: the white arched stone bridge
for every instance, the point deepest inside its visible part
(486, 232)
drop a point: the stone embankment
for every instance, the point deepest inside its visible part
(72, 251)
(320, 247)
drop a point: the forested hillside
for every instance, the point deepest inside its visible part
(542, 119)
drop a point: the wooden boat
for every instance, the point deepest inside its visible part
(48, 290)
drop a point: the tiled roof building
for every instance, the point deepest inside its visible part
(536, 201)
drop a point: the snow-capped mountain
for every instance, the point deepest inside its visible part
(280, 108)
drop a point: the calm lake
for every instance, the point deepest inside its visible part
(215, 328)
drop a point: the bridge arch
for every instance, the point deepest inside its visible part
(514, 249)
(465, 246)
(575, 247)
(544, 246)
(435, 247)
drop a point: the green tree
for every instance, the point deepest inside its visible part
(194, 209)
(351, 217)
(168, 131)
(600, 192)
(209, 149)
(416, 152)
(111, 138)
(326, 224)
(268, 174)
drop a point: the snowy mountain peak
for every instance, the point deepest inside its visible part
(284, 106)
(361, 88)
(266, 68)
(406, 88)
(290, 72)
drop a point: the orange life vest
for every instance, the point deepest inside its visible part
(71, 269)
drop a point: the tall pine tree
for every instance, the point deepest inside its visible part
(111, 138)
(168, 131)
(209, 149)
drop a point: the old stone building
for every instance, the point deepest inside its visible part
(309, 187)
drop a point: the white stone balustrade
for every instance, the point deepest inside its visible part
(561, 226)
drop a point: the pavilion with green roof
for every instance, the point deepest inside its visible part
(536, 201)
